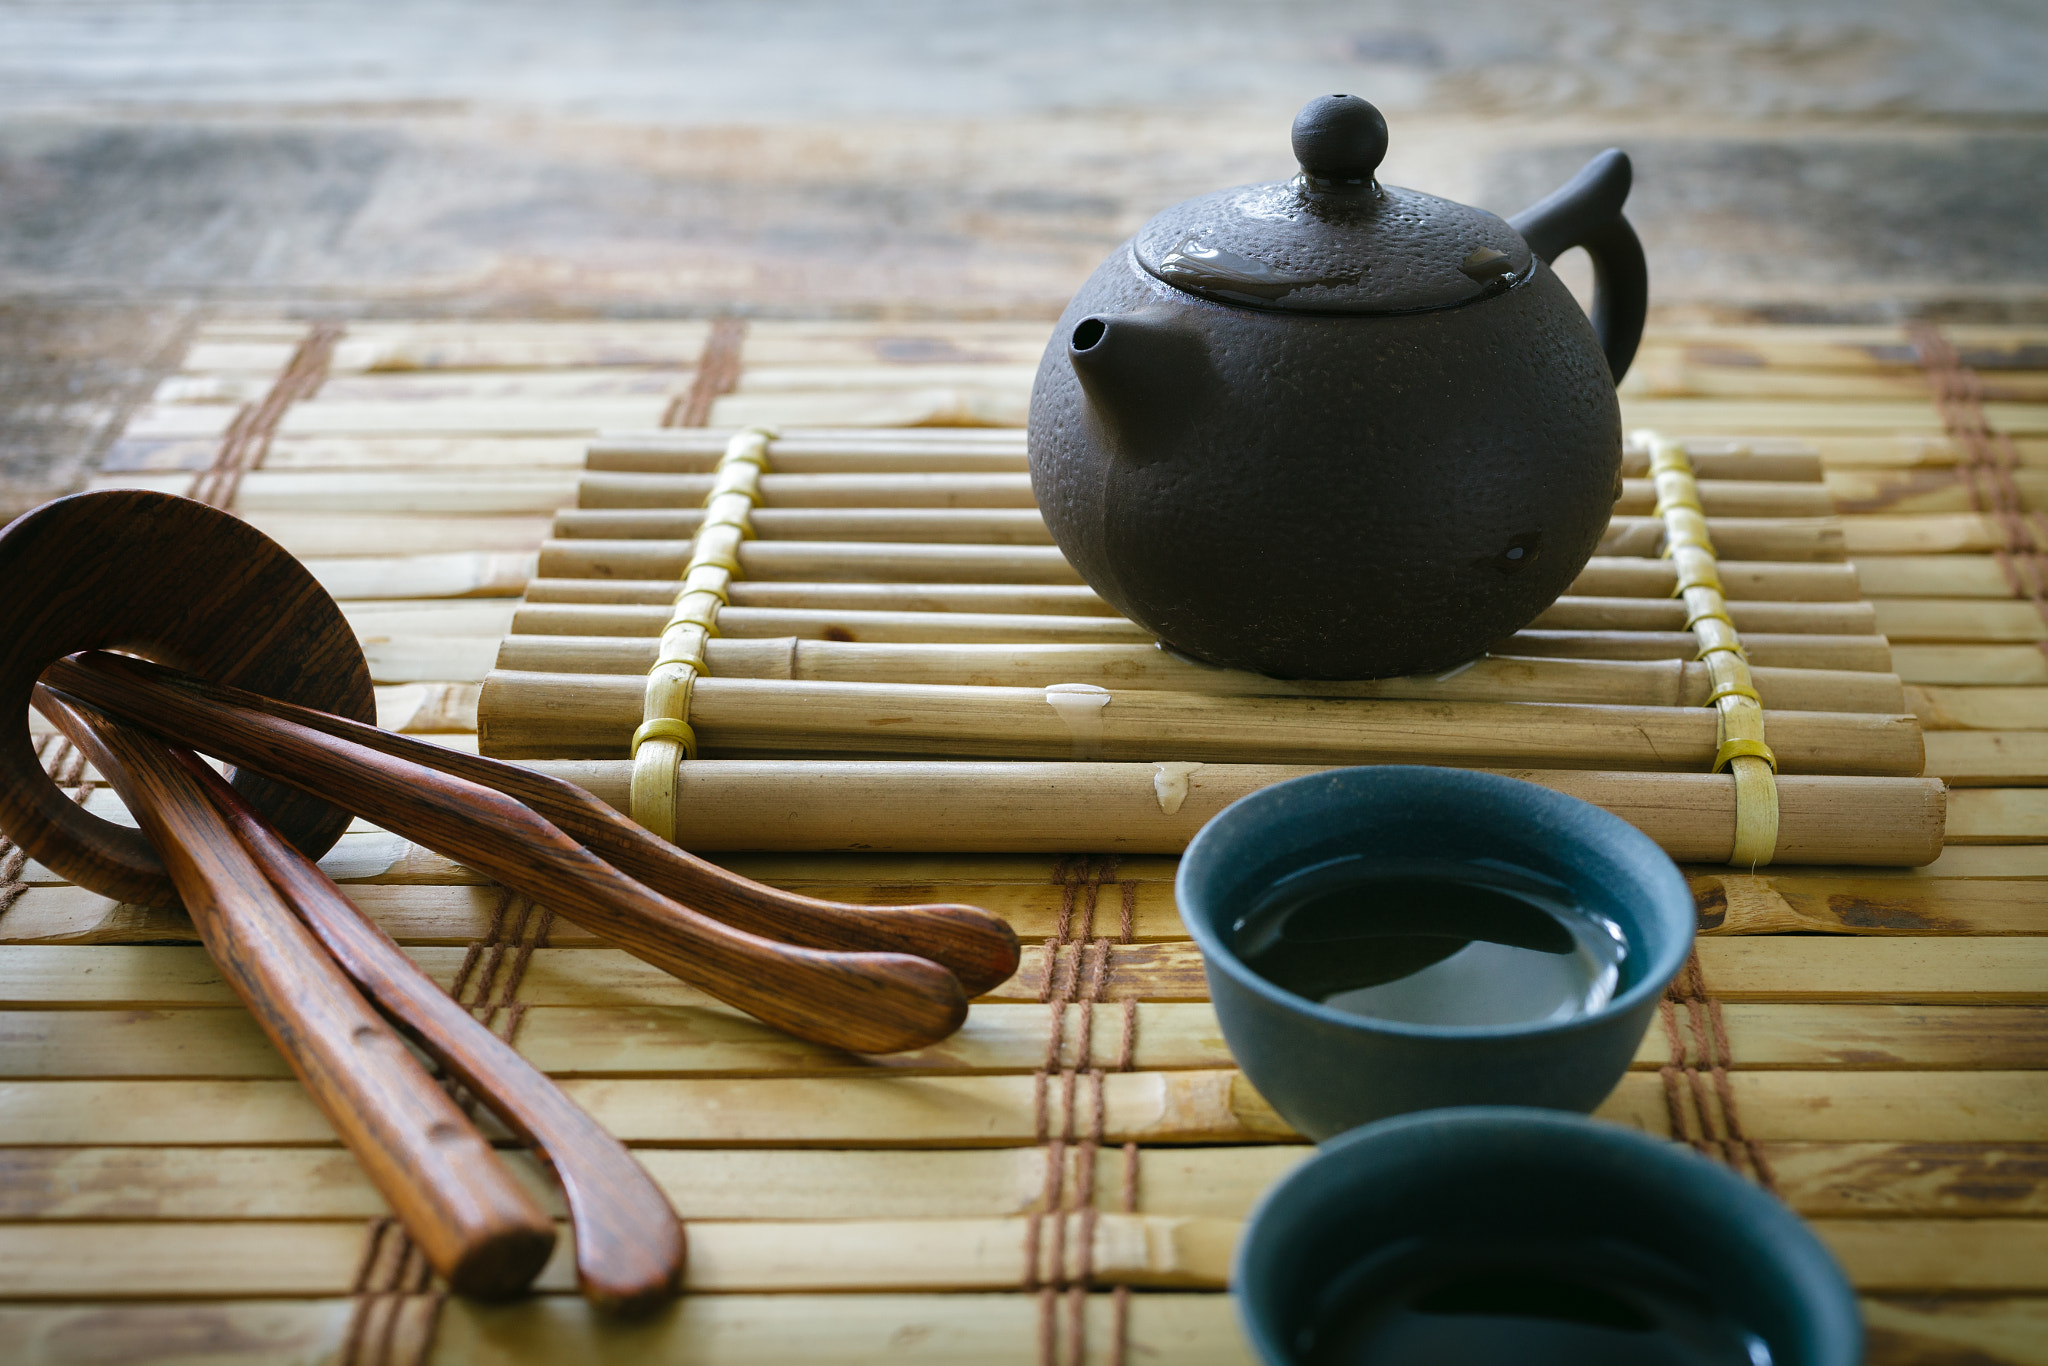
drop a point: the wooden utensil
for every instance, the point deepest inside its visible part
(979, 948)
(866, 1002)
(477, 1226)
(173, 579)
(223, 601)
(629, 1246)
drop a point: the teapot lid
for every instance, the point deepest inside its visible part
(1333, 240)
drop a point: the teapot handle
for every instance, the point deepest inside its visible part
(1586, 212)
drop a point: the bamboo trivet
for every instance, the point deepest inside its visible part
(910, 558)
(1888, 1078)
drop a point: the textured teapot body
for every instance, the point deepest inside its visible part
(1325, 496)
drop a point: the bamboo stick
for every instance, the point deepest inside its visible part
(956, 526)
(422, 900)
(1606, 576)
(1862, 653)
(1906, 970)
(1979, 708)
(1735, 498)
(1972, 664)
(866, 489)
(733, 715)
(365, 454)
(1005, 807)
(1142, 1107)
(997, 1038)
(916, 450)
(1959, 619)
(835, 612)
(1925, 491)
(815, 560)
(1041, 599)
(661, 562)
(1922, 534)
(1998, 815)
(636, 655)
(1775, 459)
(860, 489)
(1194, 1328)
(314, 536)
(525, 706)
(1223, 1182)
(1190, 1329)
(1812, 416)
(1932, 576)
(1979, 758)
(460, 575)
(616, 620)
(138, 1260)
(317, 417)
(1739, 538)
(509, 492)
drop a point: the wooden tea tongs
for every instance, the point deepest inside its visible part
(843, 982)
(270, 919)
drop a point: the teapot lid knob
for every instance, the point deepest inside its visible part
(1339, 139)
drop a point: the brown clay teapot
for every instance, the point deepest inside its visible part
(1325, 428)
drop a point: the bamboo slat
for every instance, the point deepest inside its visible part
(1987, 708)
(998, 1037)
(967, 1111)
(1604, 576)
(1906, 969)
(870, 609)
(714, 1330)
(539, 710)
(636, 654)
(1971, 664)
(228, 1183)
(1028, 807)
(1958, 619)
(2014, 758)
(739, 715)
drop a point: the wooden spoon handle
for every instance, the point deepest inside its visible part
(477, 1226)
(866, 1002)
(979, 948)
(629, 1247)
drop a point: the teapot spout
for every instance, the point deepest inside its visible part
(1145, 374)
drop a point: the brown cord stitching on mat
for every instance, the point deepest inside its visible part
(1985, 467)
(394, 1288)
(718, 373)
(1075, 978)
(247, 439)
(1699, 1095)
(391, 1294)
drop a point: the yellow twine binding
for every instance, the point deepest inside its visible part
(1739, 749)
(665, 738)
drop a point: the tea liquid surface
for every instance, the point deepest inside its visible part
(1511, 1302)
(1435, 942)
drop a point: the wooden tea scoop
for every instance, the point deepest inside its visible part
(978, 948)
(189, 586)
(222, 600)
(866, 1002)
(629, 1246)
(477, 1226)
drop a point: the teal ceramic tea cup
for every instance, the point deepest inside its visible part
(1494, 1234)
(1449, 857)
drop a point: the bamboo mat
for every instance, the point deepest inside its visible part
(1062, 1180)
